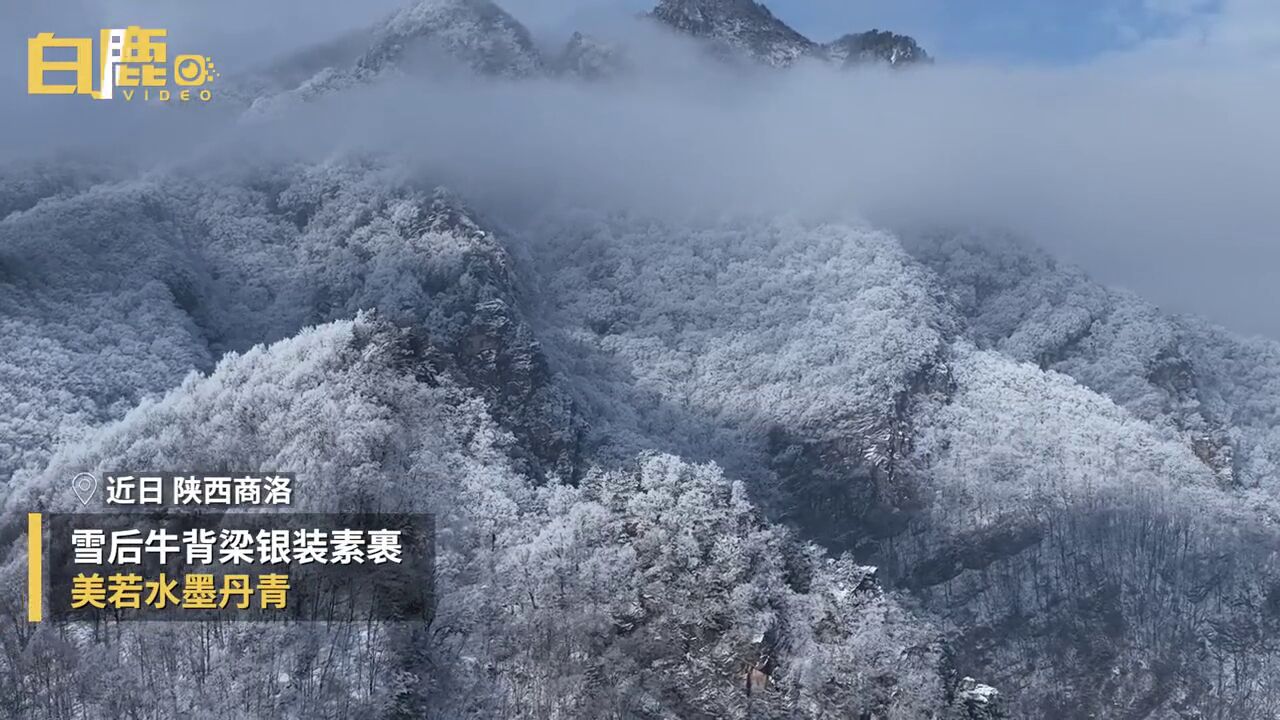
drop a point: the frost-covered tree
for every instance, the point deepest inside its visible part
(648, 590)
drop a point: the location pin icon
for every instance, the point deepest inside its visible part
(83, 486)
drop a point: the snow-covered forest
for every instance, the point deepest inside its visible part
(683, 464)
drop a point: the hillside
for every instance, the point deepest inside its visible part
(934, 476)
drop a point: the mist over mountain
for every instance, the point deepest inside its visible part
(704, 345)
(479, 36)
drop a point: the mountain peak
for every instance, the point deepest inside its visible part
(749, 27)
(478, 33)
(742, 25)
(473, 34)
(876, 46)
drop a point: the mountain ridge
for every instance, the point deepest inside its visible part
(483, 38)
(936, 412)
(749, 27)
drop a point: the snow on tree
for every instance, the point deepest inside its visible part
(646, 588)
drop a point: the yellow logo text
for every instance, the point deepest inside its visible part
(129, 60)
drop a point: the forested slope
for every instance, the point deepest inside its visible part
(661, 450)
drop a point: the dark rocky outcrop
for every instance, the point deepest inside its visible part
(876, 46)
(745, 27)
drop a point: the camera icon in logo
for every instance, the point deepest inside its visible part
(193, 70)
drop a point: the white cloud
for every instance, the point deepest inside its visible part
(1232, 31)
(1155, 168)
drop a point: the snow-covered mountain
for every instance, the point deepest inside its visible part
(875, 46)
(432, 36)
(424, 386)
(477, 33)
(429, 36)
(739, 25)
(748, 28)
(1014, 446)
(928, 477)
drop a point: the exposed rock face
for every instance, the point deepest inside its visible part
(494, 347)
(980, 702)
(854, 489)
(876, 46)
(748, 28)
(742, 25)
